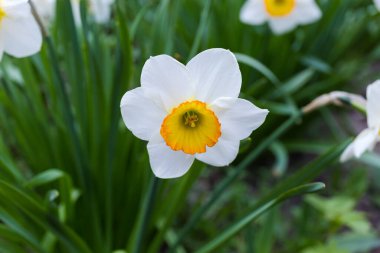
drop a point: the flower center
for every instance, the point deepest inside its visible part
(190, 119)
(278, 8)
(191, 127)
(2, 14)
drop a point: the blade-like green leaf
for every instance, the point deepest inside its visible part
(244, 221)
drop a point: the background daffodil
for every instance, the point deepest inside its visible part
(377, 4)
(190, 112)
(45, 9)
(368, 138)
(282, 15)
(20, 35)
(99, 9)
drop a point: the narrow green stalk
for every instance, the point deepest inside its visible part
(144, 216)
(276, 195)
(41, 216)
(123, 74)
(230, 178)
(84, 174)
(69, 116)
(243, 222)
(201, 29)
(79, 154)
(177, 198)
(265, 71)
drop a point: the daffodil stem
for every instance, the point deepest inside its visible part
(38, 19)
(79, 154)
(144, 217)
(231, 177)
(177, 197)
(201, 29)
(66, 102)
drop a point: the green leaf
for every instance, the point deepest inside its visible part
(256, 212)
(330, 248)
(40, 215)
(316, 64)
(45, 177)
(282, 159)
(294, 84)
(357, 242)
(340, 210)
(258, 66)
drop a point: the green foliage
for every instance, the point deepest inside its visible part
(340, 212)
(74, 179)
(331, 248)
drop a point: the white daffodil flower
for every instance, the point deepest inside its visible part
(282, 15)
(192, 111)
(20, 35)
(377, 4)
(368, 138)
(100, 9)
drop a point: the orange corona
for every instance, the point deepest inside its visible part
(279, 8)
(191, 127)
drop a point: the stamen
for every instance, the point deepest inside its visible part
(191, 118)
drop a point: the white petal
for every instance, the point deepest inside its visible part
(140, 114)
(282, 25)
(307, 11)
(373, 104)
(347, 154)
(45, 9)
(16, 8)
(22, 36)
(1, 46)
(253, 12)
(167, 77)
(366, 140)
(238, 117)
(165, 162)
(101, 10)
(215, 73)
(377, 3)
(222, 154)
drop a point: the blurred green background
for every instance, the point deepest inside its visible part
(74, 179)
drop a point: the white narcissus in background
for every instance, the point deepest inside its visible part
(282, 15)
(368, 138)
(377, 3)
(20, 35)
(99, 9)
(192, 111)
(45, 9)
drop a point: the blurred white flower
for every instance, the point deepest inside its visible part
(192, 111)
(45, 9)
(368, 138)
(20, 35)
(377, 3)
(99, 9)
(282, 15)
